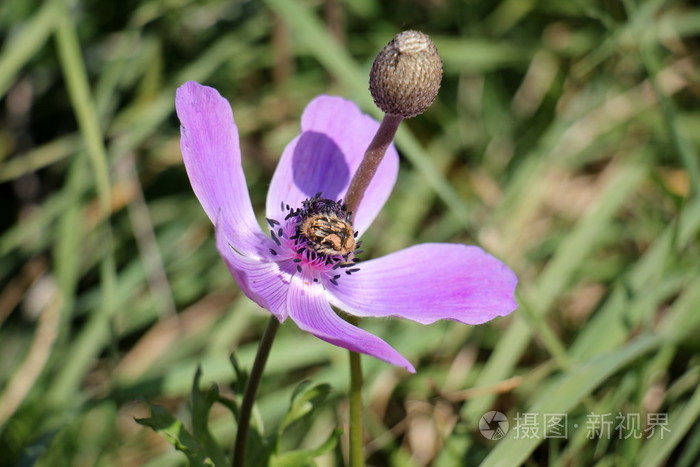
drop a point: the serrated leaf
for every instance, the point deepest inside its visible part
(202, 402)
(163, 422)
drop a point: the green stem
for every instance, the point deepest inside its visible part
(357, 454)
(251, 389)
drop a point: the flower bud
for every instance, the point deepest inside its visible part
(406, 75)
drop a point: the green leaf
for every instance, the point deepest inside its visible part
(202, 402)
(200, 447)
(307, 397)
(163, 422)
(241, 380)
(305, 458)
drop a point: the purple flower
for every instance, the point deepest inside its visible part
(307, 262)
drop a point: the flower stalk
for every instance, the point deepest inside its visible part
(357, 452)
(239, 449)
(373, 157)
(404, 82)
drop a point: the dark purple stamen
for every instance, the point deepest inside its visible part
(273, 252)
(280, 232)
(298, 268)
(274, 237)
(272, 222)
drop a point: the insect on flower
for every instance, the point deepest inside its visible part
(307, 263)
(328, 227)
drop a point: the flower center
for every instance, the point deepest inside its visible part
(327, 228)
(319, 235)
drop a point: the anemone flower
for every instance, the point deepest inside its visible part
(307, 263)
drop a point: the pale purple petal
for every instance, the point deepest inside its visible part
(324, 157)
(261, 279)
(212, 158)
(309, 308)
(429, 282)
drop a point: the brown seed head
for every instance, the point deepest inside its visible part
(406, 75)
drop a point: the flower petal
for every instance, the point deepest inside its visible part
(310, 310)
(261, 279)
(324, 157)
(429, 282)
(212, 157)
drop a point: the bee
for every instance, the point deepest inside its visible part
(329, 235)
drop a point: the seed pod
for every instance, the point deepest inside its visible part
(406, 75)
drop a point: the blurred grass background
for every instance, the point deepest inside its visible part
(564, 140)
